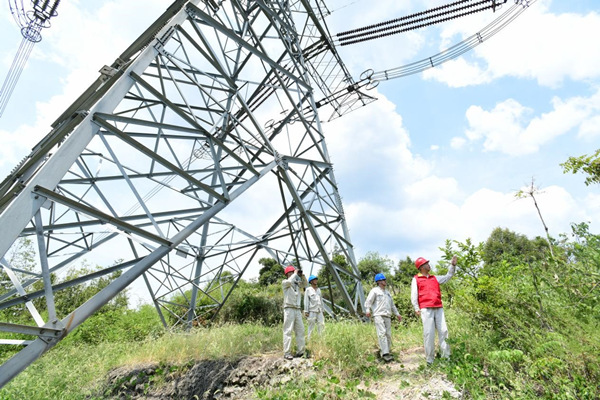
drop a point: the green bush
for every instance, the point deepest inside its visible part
(517, 331)
(253, 304)
(404, 305)
(118, 326)
(522, 324)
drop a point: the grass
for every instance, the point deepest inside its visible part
(348, 343)
(68, 372)
(225, 341)
(345, 352)
(547, 364)
(344, 356)
(553, 365)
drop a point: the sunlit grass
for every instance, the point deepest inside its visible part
(225, 341)
(68, 372)
(344, 355)
(349, 344)
(74, 371)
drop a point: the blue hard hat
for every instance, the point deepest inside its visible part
(312, 278)
(379, 277)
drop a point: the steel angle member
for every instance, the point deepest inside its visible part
(49, 194)
(41, 331)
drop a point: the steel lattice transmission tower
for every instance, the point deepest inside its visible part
(214, 106)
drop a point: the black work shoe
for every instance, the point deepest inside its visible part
(288, 356)
(387, 357)
(299, 354)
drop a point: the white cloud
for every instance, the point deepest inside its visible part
(501, 128)
(401, 201)
(592, 202)
(486, 209)
(459, 73)
(370, 148)
(509, 128)
(537, 45)
(458, 143)
(423, 226)
(431, 208)
(13, 147)
(423, 208)
(79, 43)
(428, 190)
(590, 128)
(83, 41)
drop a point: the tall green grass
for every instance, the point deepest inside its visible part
(74, 371)
(69, 371)
(560, 363)
(348, 344)
(226, 341)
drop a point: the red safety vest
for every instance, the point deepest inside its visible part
(430, 295)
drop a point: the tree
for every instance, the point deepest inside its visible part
(326, 279)
(405, 272)
(503, 244)
(469, 256)
(581, 276)
(69, 298)
(21, 257)
(373, 263)
(531, 192)
(588, 164)
(340, 260)
(227, 276)
(270, 273)
(337, 259)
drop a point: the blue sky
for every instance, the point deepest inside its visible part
(438, 156)
(451, 146)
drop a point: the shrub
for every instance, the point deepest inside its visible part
(118, 326)
(253, 305)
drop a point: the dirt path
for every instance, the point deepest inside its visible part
(403, 379)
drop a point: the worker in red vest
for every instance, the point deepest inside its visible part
(426, 298)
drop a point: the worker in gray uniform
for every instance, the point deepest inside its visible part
(381, 306)
(292, 311)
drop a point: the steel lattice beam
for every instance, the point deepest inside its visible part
(147, 164)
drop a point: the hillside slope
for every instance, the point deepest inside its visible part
(253, 377)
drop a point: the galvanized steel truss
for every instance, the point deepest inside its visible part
(213, 101)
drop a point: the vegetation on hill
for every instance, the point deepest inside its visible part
(523, 323)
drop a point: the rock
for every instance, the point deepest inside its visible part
(239, 378)
(207, 379)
